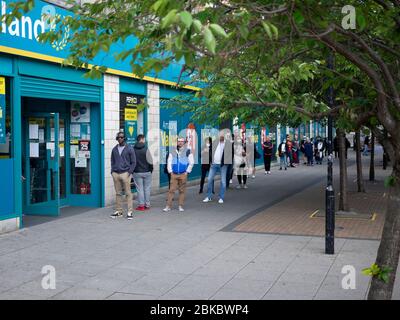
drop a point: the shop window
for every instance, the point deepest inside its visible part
(131, 119)
(80, 148)
(5, 119)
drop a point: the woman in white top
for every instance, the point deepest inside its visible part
(240, 162)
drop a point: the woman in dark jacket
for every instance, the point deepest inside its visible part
(267, 151)
(308, 148)
(206, 160)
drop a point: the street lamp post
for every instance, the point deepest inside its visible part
(329, 191)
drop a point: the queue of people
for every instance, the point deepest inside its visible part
(229, 156)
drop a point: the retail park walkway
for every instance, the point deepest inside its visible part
(210, 251)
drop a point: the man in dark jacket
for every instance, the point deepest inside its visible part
(221, 157)
(142, 173)
(123, 163)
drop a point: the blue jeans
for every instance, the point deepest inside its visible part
(283, 161)
(213, 170)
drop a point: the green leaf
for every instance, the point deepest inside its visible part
(179, 42)
(157, 5)
(186, 18)
(168, 19)
(298, 17)
(361, 21)
(197, 25)
(275, 31)
(267, 29)
(209, 40)
(244, 31)
(218, 30)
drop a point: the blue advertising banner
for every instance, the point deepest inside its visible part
(21, 38)
(2, 110)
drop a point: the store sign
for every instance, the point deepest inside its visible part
(2, 110)
(23, 34)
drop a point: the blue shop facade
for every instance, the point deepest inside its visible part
(57, 128)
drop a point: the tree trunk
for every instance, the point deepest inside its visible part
(389, 247)
(360, 181)
(372, 161)
(343, 202)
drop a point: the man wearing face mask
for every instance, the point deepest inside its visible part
(222, 156)
(180, 163)
(123, 163)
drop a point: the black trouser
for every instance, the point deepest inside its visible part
(240, 178)
(267, 162)
(204, 170)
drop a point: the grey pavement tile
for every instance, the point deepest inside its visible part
(290, 288)
(125, 274)
(257, 240)
(287, 296)
(260, 271)
(153, 284)
(221, 267)
(84, 268)
(102, 282)
(241, 253)
(34, 288)
(243, 289)
(196, 287)
(78, 293)
(130, 296)
(17, 295)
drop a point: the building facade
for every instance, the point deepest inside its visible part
(57, 128)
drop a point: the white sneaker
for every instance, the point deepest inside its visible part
(266, 172)
(239, 186)
(230, 181)
(129, 216)
(220, 201)
(253, 176)
(207, 199)
(245, 187)
(181, 209)
(166, 209)
(269, 172)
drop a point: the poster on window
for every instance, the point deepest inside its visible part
(80, 112)
(2, 110)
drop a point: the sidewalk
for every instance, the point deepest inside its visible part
(185, 255)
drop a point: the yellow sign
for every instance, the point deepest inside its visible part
(130, 114)
(2, 85)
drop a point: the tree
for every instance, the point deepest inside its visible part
(266, 59)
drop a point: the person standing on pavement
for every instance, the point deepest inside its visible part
(206, 159)
(282, 154)
(123, 164)
(222, 156)
(229, 171)
(142, 173)
(366, 145)
(267, 151)
(309, 151)
(180, 164)
(241, 166)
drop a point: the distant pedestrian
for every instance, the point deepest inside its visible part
(123, 163)
(206, 159)
(241, 166)
(289, 150)
(303, 150)
(336, 146)
(142, 173)
(282, 154)
(267, 152)
(180, 164)
(366, 145)
(229, 170)
(296, 149)
(319, 150)
(309, 151)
